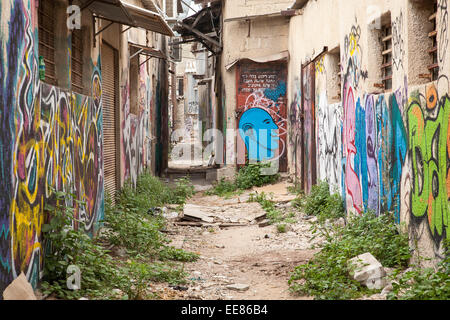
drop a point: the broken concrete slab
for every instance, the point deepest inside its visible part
(238, 287)
(195, 213)
(368, 271)
(260, 217)
(19, 289)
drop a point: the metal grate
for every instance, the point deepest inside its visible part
(46, 29)
(77, 60)
(110, 115)
(386, 67)
(433, 51)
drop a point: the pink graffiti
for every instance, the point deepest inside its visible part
(352, 183)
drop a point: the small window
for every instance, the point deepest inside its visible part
(386, 67)
(422, 42)
(46, 29)
(176, 50)
(180, 87)
(77, 60)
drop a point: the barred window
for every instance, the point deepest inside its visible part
(77, 60)
(46, 28)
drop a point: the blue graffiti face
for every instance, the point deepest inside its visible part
(260, 134)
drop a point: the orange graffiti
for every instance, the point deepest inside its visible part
(432, 97)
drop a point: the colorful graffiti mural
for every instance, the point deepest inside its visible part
(54, 140)
(261, 104)
(429, 147)
(135, 136)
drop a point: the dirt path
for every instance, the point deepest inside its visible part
(257, 257)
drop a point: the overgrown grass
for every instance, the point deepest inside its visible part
(321, 203)
(423, 284)
(128, 224)
(326, 276)
(151, 192)
(248, 177)
(274, 215)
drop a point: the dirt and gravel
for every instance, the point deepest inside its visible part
(245, 261)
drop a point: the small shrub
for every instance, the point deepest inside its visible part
(248, 177)
(74, 247)
(326, 275)
(321, 203)
(282, 228)
(274, 215)
(423, 284)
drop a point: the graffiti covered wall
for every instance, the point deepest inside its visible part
(395, 148)
(51, 139)
(328, 130)
(136, 129)
(262, 110)
(382, 150)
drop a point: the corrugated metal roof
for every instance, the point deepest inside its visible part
(148, 51)
(131, 15)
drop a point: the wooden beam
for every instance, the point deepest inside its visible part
(201, 35)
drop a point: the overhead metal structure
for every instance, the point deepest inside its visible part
(205, 27)
(118, 11)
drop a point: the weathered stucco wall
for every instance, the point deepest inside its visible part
(264, 37)
(383, 151)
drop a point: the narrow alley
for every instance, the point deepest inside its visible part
(224, 150)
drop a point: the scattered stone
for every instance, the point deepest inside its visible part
(340, 222)
(196, 274)
(208, 285)
(83, 298)
(218, 262)
(220, 246)
(267, 236)
(171, 215)
(238, 287)
(368, 271)
(117, 291)
(387, 289)
(119, 252)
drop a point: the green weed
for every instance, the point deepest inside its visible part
(326, 276)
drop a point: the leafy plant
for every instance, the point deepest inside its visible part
(321, 203)
(68, 246)
(248, 177)
(171, 253)
(274, 215)
(423, 284)
(143, 273)
(326, 275)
